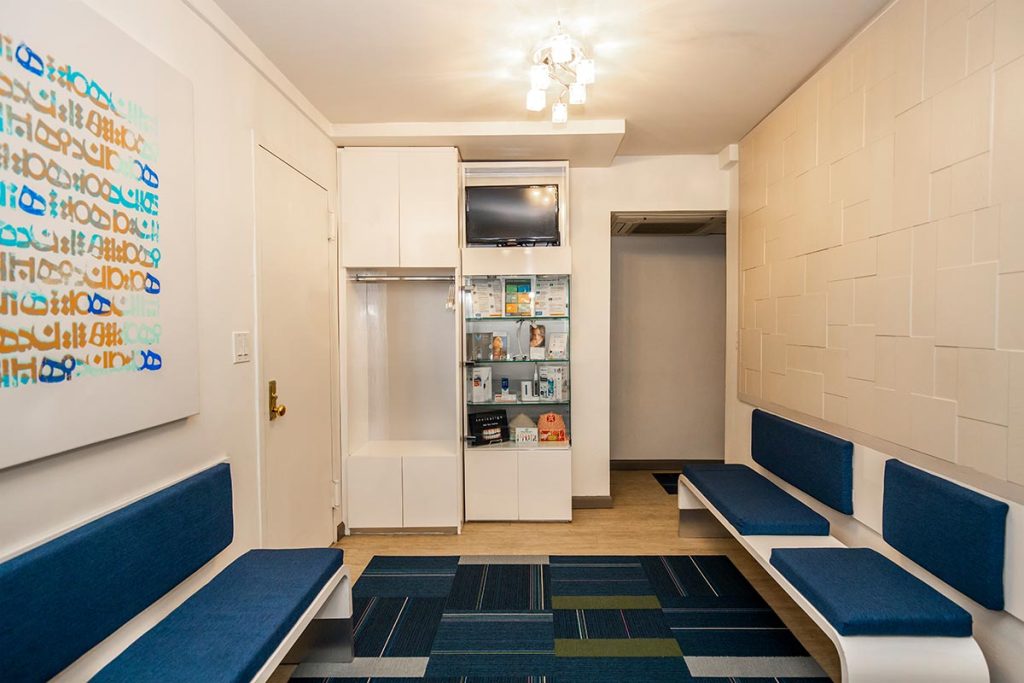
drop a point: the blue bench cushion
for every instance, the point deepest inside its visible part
(955, 533)
(229, 628)
(60, 599)
(815, 462)
(754, 505)
(862, 593)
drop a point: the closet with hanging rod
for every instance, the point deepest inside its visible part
(401, 326)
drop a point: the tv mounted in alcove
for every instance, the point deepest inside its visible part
(512, 215)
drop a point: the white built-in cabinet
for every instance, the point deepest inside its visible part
(403, 485)
(509, 484)
(399, 207)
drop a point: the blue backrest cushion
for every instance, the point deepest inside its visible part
(60, 599)
(815, 462)
(957, 534)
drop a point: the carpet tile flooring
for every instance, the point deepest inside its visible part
(542, 619)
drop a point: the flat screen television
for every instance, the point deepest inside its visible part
(512, 215)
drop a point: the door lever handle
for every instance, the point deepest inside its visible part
(276, 410)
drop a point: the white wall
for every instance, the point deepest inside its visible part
(231, 101)
(661, 183)
(667, 347)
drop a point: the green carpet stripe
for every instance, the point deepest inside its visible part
(618, 647)
(605, 602)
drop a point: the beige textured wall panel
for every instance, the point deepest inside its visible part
(960, 120)
(981, 39)
(787, 277)
(1009, 33)
(895, 254)
(946, 370)
(1011, 311)
(983, 385)
(861, 347)
(892, 305)
(840, 302)
(982, 446)
(965, 306)
(885, 264)
(1007, 133)
(911, 181)
(970, 184)
(1015, 414)
(933, 426)
(856, 259)
(835, 409)
(986, 234)
(925, 247)
(954, 241)
(945, 50)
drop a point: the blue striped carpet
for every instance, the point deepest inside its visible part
(539, 618)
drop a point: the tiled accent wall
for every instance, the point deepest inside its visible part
(882, 237)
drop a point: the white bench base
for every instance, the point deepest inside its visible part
(864, 659)
(332, 604)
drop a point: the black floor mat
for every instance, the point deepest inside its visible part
(668, 480)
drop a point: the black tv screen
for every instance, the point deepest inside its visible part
(512, 215)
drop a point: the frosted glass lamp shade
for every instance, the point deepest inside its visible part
(559, 112)
(577, 93)
(536, 100)
(585, 71)
(539, 77)
(561, 48)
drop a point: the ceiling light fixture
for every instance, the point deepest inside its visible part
(559, 60)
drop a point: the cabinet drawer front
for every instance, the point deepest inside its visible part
(430, 491)
(429, 208)
(374, 493)
(491, 485)
(369, 190)
(545, 485)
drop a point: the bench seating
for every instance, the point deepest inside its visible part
(60, 599)
(887, 624)
(754, 505)
(229, 628)
(862, 593)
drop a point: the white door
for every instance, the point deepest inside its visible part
(292, 229)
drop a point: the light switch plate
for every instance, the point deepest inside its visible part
(240, 347)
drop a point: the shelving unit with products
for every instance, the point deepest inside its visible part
(517, 397)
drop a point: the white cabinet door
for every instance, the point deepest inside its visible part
(375, 493)
(429, 492)
(369, 180)
(491, 488)
(429, 208)
(545, 485)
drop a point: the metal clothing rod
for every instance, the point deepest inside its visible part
(360, 277)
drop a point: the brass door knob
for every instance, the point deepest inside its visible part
(276, 410)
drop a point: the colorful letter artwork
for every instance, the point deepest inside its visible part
(79, 225)
(97, 244)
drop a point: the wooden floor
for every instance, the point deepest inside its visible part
(643, 521)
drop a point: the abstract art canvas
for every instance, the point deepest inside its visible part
(97, 233)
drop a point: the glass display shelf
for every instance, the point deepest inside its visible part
(515, 318)
(546, 361)
(513, 446)
(539, 402)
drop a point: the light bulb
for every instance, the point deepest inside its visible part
(561, 48)
(577, 93)
(559, 112)
(536, 100)
(585, 71)
(539, 77)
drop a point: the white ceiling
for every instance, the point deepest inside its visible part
(688, 76)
